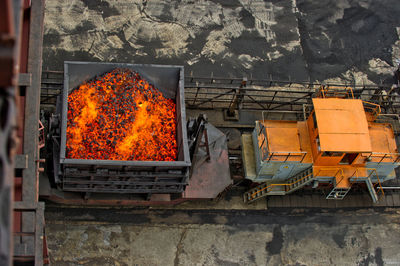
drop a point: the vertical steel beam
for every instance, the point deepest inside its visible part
(39, 233)
(31, 130)
(30, 176)
(10, 22)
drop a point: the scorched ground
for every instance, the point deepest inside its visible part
(120, 116)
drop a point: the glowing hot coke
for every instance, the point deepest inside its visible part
(120, 116)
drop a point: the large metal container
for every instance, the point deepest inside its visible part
(108, 176)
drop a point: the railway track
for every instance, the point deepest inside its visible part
(288, 216)
(282, 99)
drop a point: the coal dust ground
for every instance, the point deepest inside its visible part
(301, 40)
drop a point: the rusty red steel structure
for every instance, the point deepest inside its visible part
(8, 59)
(24, 46)
(21, 230)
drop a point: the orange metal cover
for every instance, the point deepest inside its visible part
(283, 136)
(382, 138)
(342, 125)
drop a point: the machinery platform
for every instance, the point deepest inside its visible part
(210, 177)
(249, 160)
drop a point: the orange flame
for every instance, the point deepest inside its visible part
(120, 116)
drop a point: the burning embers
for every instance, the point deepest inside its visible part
(120, 116)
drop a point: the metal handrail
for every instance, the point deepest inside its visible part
(288, 154)
(396, 159)
(376, 109)
(324, 90)
(263, 117)
(377, 177)
(372, 170)
(283, 184)
(396, 118)
(394, 115)
(332, 168)
(212, 80)
(355, 173)
(41, 142)
(265, 140)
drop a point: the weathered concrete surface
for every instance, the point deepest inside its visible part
(363, 237)
(303, 39)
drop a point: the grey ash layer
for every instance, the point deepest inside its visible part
(303, 39)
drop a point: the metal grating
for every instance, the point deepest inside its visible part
(338, 193)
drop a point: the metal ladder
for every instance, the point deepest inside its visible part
(294, 183)
(338, 193)
(371, 187)
(300, 180)
(372, 190)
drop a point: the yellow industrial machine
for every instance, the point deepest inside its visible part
(339, 144)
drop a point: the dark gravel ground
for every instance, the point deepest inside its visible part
(334, 37)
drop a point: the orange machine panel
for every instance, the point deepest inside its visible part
(382, 138)
(283, 140)
(383, 143)
(305, 144)
(282, 136)
(342, 125)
